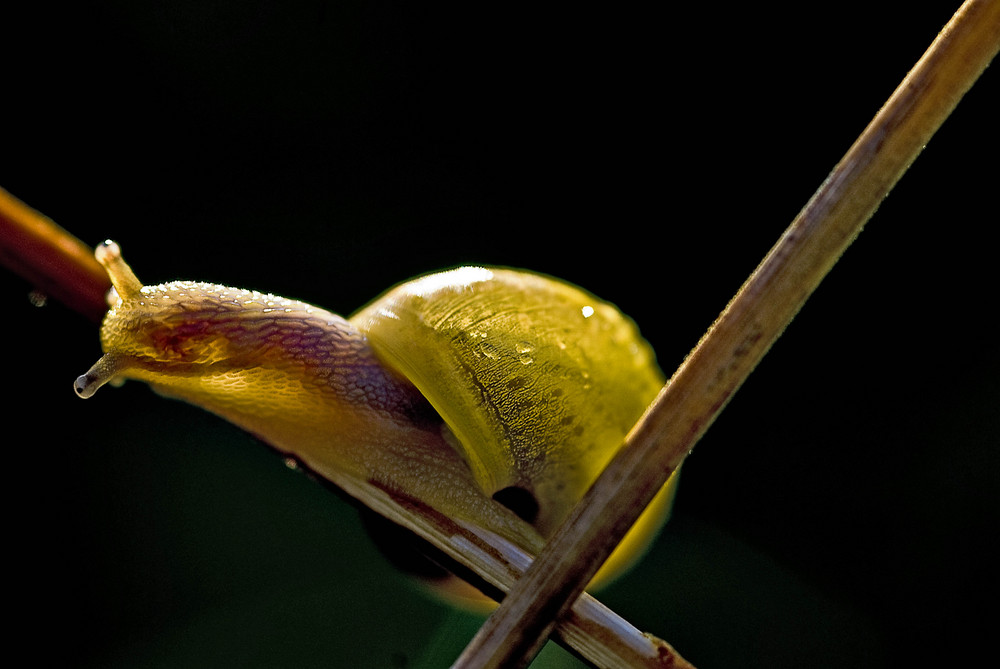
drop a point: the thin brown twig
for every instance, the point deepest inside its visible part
(49, 256)
(740, 337)
(55, 262)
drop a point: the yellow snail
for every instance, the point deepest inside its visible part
(491, 395)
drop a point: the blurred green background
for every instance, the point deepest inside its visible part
(842, 511)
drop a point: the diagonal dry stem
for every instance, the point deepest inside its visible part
(34, 246)
(740, 337)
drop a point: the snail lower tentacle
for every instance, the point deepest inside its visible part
(106, 370)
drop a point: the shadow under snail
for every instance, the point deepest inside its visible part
(493, 396)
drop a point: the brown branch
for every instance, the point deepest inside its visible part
(49, 256)
(740, 337)
(53, 259)
(55, 262)
(63, 266)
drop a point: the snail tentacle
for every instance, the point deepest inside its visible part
(124, 280)
(107, 369)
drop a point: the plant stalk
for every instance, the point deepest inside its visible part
(739, 338)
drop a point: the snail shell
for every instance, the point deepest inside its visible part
(537, 380)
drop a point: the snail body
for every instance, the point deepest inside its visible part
(490, 395)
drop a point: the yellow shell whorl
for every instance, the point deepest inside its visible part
(538, 380)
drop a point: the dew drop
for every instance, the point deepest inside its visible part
(489, 350)
(37, 298)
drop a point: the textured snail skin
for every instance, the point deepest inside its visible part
(537, 383)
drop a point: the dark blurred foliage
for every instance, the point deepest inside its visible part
(841, 512)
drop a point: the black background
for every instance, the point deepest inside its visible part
(842, 511)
